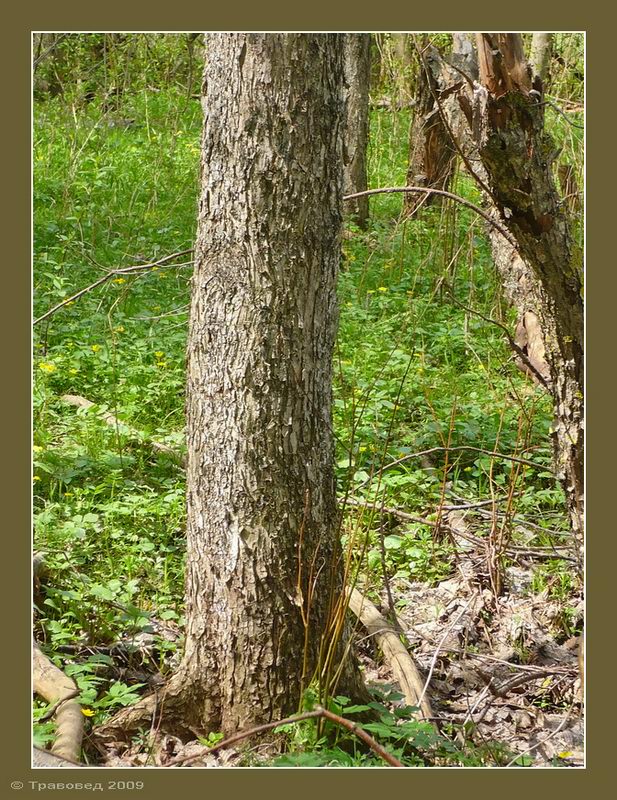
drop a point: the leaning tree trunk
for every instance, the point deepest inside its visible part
(357, 65)
(265, 605)
(518, 281)
(507, 122)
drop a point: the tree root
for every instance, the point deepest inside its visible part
(55, 687)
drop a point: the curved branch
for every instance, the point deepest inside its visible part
(442, 193)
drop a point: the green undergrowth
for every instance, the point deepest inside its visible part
(415, 370)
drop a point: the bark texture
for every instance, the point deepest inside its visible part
(508, 127)
(357, 64)
(431, 154)
(264, 570)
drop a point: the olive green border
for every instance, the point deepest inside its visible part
(15, 436)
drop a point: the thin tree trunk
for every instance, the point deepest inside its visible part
(540, 57)
(403, 65)
(357, 65)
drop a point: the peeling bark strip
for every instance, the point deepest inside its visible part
(264, 565)
(508, 128)
(357, 64)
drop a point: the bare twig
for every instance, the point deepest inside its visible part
(317, 712)
(561, 725)
(518, 350)
(112, 273)
(460, 448)
(49, 50)
(441, 641)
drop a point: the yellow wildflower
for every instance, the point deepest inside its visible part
(73, 371)
(36, 448)
(120, 329)
(119, 280)
(382, 289)
(36, 478)
(47, 367)
(96, 348)
(159, 353)
(87, 712)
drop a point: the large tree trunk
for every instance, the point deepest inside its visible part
(264, 562)
(265, 570)
(507, 121)
(265, 605)
(357, 64)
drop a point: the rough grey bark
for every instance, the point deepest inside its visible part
(357, 66)
(265, 605)
(508, 127)
(264, 570)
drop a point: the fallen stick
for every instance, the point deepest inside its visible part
(395, 652)
(109, 419)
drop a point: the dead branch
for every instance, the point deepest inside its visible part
(402, 189)
(395, 653)
(317, 712)
(109, 419)
(458, 448)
